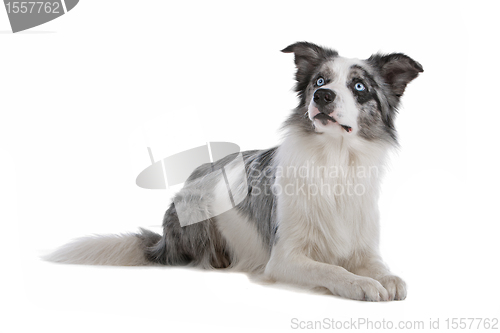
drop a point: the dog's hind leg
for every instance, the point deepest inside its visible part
(199, 244)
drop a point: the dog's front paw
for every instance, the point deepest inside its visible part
(395, 286)
(362, 289)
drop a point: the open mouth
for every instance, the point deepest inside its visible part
(325, 118)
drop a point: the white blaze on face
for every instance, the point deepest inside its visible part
(345, 109)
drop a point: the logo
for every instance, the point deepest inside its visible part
(24, 15)
(219, 184)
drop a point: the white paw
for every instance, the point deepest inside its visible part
(395, 286)
(362, 289)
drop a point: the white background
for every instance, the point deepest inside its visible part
(82, 97)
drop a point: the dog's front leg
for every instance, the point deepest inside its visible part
(372, 266)
(295, 267)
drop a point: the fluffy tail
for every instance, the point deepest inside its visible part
(114, 250)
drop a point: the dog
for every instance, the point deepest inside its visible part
(308, 215)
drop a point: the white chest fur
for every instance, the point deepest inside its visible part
(327, 197)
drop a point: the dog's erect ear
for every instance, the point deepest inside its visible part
(308, 56)
(396, 69)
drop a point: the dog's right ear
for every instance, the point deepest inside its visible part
(308, 56)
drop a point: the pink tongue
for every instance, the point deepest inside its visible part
(347, 128)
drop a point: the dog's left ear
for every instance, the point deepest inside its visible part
(396, 69)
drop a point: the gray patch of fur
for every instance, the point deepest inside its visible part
(370, 124)
(260, 204)
(201, 243)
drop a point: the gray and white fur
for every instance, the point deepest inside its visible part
(307, 230)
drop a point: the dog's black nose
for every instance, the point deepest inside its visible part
(323, 96)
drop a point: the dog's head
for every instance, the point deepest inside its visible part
(349, 97)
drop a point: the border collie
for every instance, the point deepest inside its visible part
(308, 215)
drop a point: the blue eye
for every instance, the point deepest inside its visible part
(320, 82)
(359, 86)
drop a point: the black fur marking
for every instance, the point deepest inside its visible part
(324, 118)
(361, 96)
(370, 85)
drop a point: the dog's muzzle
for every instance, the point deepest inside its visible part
(323, 97)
